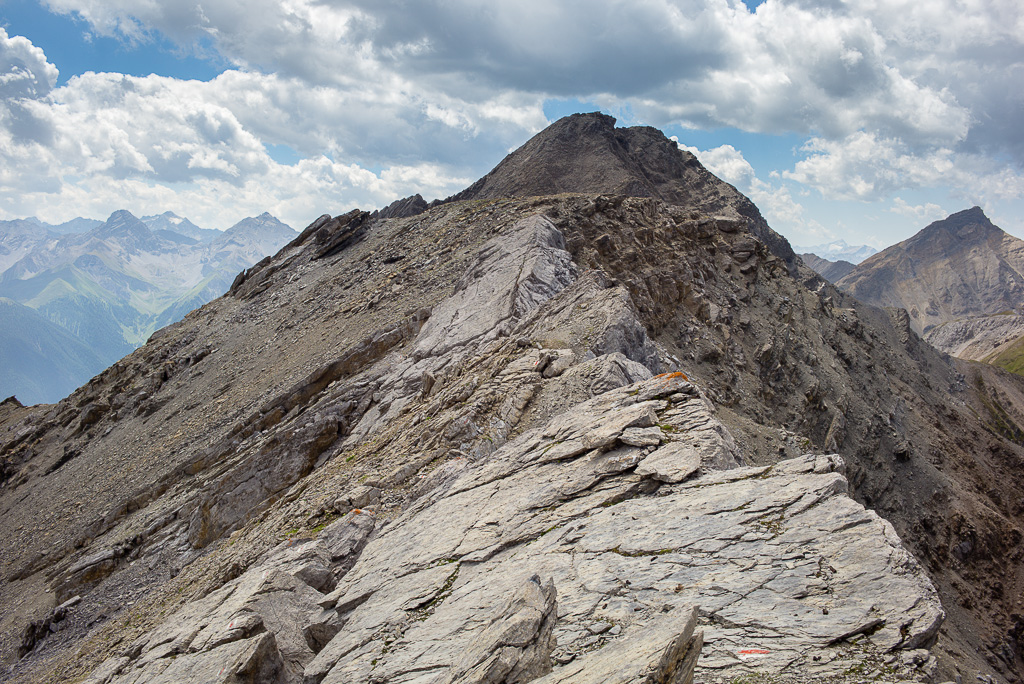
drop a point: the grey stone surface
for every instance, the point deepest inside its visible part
(261, 627)
(559, 559)
(778, 559)
(532, 258)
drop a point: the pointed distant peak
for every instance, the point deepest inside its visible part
(121, 215)
(123, 220)
(265, 223)
(969, 224)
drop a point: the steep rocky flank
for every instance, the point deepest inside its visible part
(832, 271)
(978, 339)
(959, 268)
(516, 440)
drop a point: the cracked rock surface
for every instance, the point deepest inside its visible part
(554, 558)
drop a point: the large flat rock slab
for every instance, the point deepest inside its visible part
(783, 569)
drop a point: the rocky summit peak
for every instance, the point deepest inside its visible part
(124, 224)
(968, 225)
(963, 266)
(122, 217)
(586, 153)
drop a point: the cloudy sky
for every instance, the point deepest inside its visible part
(860, 120)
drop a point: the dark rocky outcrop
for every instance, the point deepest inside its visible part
(404, 208)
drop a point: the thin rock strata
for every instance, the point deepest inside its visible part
(556, 560)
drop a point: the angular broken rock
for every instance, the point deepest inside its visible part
(763, 553)
(516, 646)
(362, 496)
(532, 258)
(674, 462)
(264, 626)
(642, 437)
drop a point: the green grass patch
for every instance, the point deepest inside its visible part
(1011, 358)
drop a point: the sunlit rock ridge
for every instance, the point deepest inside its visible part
(540, 432)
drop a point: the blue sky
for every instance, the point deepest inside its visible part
(839, 121)
(69, 42)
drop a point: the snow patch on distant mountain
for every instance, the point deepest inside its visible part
(838, 250)
(114, 283)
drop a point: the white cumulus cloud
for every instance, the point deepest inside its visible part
(773, 199)
(890, 96)
(864, 166)
(922, 213)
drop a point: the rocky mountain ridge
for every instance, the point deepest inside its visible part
(832, 271)
(510, 440)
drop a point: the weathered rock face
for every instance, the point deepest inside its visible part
(563, 418)
(512, 275)
(261, 627)
(556, 560)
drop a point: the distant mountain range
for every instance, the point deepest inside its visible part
(837, 250)
(961, 281)
(109, 285)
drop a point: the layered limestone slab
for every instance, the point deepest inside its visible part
(562, 559)
(783, 565)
